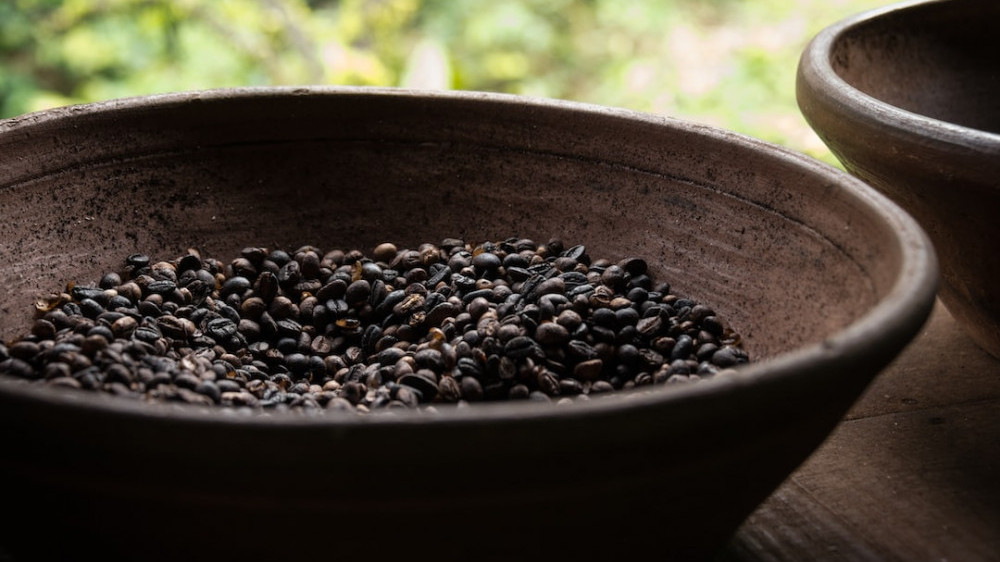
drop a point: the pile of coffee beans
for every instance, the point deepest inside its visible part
(450, 322)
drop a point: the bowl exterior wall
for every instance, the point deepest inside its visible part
(945, 175)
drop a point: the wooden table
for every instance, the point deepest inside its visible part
(911, 474)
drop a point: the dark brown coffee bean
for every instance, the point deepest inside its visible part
(522, 347)
(551, 333)
(19, 368)
(423, 381)
(472, 390)
(729, 356)
(449, 390)
(486, 262)
(588, 370)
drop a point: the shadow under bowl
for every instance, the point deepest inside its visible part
(825, 279)
(906, 98)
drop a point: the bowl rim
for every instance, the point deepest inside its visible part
(816, 71)
(898, 315)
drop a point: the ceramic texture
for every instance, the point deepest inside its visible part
(826, 280)
(906, 98)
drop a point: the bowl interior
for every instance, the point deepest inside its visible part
(781, 250)
(937, 59)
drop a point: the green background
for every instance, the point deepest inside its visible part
(728, 63)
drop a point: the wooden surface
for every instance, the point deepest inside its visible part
(911, 474)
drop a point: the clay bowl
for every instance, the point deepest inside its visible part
(906, 98)
(825, 279)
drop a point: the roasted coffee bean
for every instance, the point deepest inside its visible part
(712, 325)
(626, 316)
(551, 333)
(729, 356)
(628, 355)
(472, 389)
(137, 261)
(450, 323)
(634, 266)
(486, 262)
(385, 252)
(19, 368)
(548, 383)
(43, 329)
(423, 381)
(237, 284)
(147, 333)
(588, 370)
(570, 387)
(552, 285)
(297, 363)
(110, 280)
(221, 329)
(289, 275)
(357, 292)
(449, 390)
(470, 367)
(431, 359)
(577, 253)
(161, 286)
(283, 307)
(706, 351)
(441, 312)
(679, 367)
(601, 386)
(523, 347)
(124, 326)
(683, 348)
(174, 327)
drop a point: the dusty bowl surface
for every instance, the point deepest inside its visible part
(825, 279)
(906, 98)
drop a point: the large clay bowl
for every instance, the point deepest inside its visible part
(906, 98)
(826, 280)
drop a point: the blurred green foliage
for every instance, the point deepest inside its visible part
(729, 63)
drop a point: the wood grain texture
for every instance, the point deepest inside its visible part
(912, 473)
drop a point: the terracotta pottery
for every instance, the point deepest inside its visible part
(906, 98)
(825, 279)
